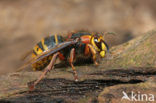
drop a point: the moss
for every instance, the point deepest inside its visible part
(138, 52)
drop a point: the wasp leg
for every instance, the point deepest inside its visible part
(47, 69)
(93, 54)
(72, 53)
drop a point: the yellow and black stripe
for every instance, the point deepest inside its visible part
(44, 45)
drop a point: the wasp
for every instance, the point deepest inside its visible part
(76, 44)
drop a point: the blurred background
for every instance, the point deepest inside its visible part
(24, 22)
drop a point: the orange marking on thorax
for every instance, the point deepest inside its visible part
(86, 50)
(86, 39)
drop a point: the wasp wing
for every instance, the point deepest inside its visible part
(48, 53)
(24, 56)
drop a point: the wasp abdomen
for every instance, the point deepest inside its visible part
(44, 45)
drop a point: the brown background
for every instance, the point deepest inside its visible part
(24, 22)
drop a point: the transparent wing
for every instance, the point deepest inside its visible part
(48, 52)
(24, 56)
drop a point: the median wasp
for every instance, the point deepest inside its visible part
(77, 43)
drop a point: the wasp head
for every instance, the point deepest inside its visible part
(99, 44)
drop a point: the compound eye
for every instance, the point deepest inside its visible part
(96, 40)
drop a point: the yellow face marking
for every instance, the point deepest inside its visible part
(94, 45)
(99, 39)
(102, 54)
(44, 46)
(56, 40)
(103, 46)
